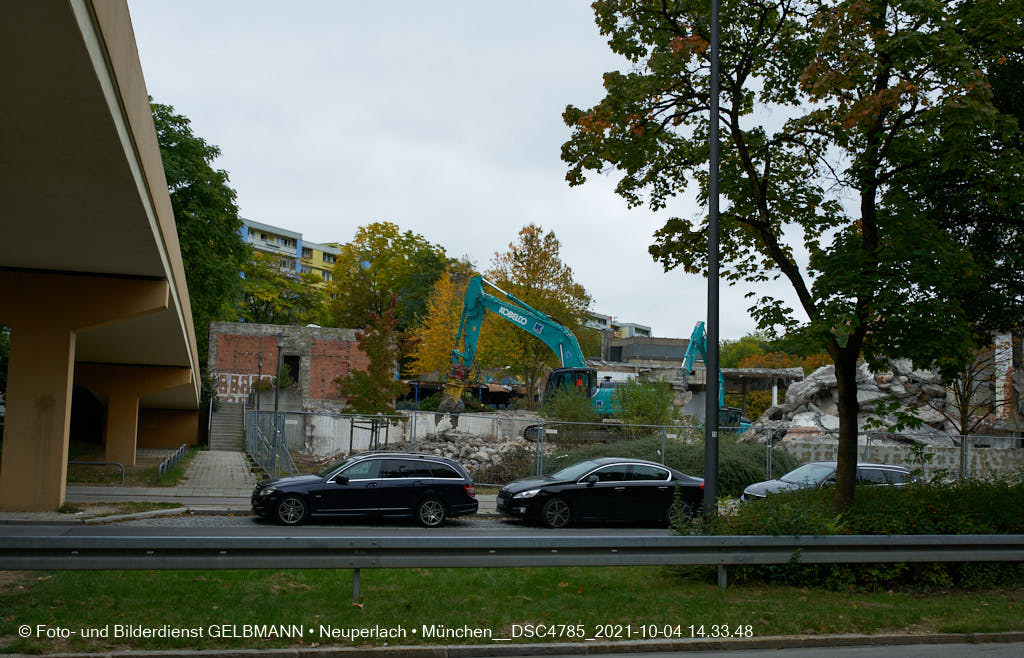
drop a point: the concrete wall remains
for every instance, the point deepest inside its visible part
(981, 462)
(240, 353)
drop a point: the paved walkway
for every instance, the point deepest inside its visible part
(217, 478)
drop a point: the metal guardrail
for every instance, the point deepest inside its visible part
(91, 463)
(64, 552)
(166, 465)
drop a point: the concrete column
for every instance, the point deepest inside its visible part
(35, 451)
(44, 312)
(123, 386)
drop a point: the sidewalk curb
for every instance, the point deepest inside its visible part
(591, 648)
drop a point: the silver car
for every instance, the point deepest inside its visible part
(823, 474)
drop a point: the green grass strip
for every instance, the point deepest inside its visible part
(229, 604)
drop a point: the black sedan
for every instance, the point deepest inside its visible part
(605, 489)
(426, 488)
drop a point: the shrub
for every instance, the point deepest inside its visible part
(645, 403)
(571, 406)
(932, 508)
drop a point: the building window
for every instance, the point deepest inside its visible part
(326, 275)
(329, 259)
(306, 269)
(307, 253)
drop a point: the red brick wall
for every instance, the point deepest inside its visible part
(330, 359)
(241, 354)
(238, 362)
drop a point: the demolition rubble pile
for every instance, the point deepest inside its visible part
(810, 408)
(472, 450)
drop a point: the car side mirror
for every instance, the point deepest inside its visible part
(591, 480)
(340, 479)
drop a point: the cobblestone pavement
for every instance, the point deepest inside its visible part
(219, 472)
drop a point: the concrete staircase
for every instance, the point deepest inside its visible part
(226, 428)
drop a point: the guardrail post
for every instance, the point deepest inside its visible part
(723, 576)
(355, 586)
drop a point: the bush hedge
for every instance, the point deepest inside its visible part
(933, 508)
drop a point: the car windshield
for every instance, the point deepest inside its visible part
(573, 471)
(333, 467)
(808, 474)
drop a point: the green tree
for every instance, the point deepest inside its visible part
(274, 294)
(532, 270)
(212, 247)
(382, 262)
(375, 389)
(732, 352)
(851, 97)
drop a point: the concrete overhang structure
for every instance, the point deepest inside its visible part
(92, 284)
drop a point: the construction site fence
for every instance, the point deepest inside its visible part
(501, 446)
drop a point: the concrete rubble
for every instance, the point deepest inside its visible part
(811, 409)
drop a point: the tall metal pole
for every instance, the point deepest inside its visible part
(277, 424)
(712, 403)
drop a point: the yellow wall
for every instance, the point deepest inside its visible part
(167, 428)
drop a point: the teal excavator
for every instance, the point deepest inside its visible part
(574, 372)
(728, 417)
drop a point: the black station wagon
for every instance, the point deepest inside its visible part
(423, 487)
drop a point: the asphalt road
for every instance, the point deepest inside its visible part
(214, 525)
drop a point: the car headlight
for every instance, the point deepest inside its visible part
(530, 493)
(267, 491)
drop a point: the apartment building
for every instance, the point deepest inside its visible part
(302, 256)
(618, 329)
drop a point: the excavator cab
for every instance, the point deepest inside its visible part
(572, 379)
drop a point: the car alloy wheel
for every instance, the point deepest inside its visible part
(430, 513)
(556, 513)
(291, 510)
(678, 513)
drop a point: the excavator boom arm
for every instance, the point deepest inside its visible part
(476, 303)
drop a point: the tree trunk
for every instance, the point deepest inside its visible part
(846, 452)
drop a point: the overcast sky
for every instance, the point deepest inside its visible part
(441, 117)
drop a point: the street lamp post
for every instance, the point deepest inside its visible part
(277, 422)
(712, 402)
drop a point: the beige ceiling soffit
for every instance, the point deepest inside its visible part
(96, 47)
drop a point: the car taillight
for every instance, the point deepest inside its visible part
(470, 490)
(702, 486)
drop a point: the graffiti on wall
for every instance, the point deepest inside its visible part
(235, 387)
